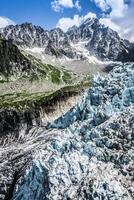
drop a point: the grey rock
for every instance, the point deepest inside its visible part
(100, 41)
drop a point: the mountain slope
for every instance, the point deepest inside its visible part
(18, 65)
(96, 40)
(101, 41)
(12, 61)
(25, 35)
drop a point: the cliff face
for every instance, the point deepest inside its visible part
(20, 114)
(100, 41)
(12, 61)
(13, 122)
(36, 36)
(128, 55)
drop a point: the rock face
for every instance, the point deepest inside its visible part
(15, 65)
(102, 41)
(26, 35)
(85, 154)
(127, 56)
(11, 59)
(13, 121)
(89, 39)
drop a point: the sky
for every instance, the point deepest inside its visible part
(117, 14)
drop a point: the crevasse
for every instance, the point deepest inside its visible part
(89, 153)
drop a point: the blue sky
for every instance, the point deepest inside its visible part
(40, 12)
(117, 14)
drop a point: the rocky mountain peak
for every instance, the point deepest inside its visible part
(96, 40)
(90, 21)
(59, 30)
(25, 35)
(73, 28)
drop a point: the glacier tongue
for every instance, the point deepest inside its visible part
(89, 152)
(106, 97)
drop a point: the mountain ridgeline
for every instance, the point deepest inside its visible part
(100, 41)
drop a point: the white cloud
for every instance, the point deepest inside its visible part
(102, 4)
(117, 6)
(77, 5)
(110, 23)
(116, 14)
(120, 17)
(4, 21)
(65, 23)
(58, 5)
(88, 15)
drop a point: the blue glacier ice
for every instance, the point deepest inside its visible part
(87, 154)
(107, 96)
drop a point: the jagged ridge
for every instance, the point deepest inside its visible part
(96, 39)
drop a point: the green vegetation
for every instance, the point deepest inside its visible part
(22, 69)
(24, 101)
(51, 73)
(17, 65)
(56, 76)
(3, 81)
(66, 77)
(20, 65)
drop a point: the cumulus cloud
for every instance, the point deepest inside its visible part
(119, 17)
(4, 21)
(110, 23)
(102, 4)
(117, 14)
(77, 5)
(58, 5)
(66, 22)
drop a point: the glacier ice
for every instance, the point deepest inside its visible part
(89, 152)
(107, 96)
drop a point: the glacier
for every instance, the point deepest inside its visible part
(88, 153)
